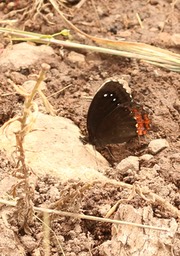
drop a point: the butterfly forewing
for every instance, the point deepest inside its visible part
(109, 118)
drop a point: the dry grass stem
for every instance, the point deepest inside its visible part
(145, 193)
(24, 190)
(46, 234)
(145, 52)
(47, 104)
(139, 20)
(61, 90)
(87, 217)
(47, 226)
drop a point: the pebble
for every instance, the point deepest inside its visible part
(176, 105)
(29, 242)
(29, 85)
(75, 57)
(153, 2)
(155, 146)
(54, 149)
(53, 193)
(146, 157)
(175, 156)
(131, 162)
(23, 55)
(156, 167)
(176, 39)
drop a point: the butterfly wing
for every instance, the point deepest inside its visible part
(109, 118)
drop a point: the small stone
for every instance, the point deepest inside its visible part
(125, 33)
(146, 157)
(156, 167)
(75, 57)
(29, 243)
(103, 209)
(23, 55)
(155, 146)
(11, 5)
(57, 139)
(153, 29)
(29, 85)
(72, 234)
(160, 24)
(176, 105)
(153, 2)
(131, 162)
(176, 39)
(175, 156)
(53, 193)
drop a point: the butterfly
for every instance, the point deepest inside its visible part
(113, 116)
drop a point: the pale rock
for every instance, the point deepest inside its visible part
(146, 157)
(176, 39)
(155, 146)
(104, 209)
(53, 147)
(9, 241)
(175, 156)
(6, 185)
(29, 242)
(24, 54)
(136, 241)
(148, 174)
(75, 57)
(176, 105)
(156, 167)
(131, 162)
(53, 193)
(29, 85)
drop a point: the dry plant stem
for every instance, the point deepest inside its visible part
(24, 189)
(70, 197)
(98, 21)
(139, 20)
(121, 201)
(147, 195)
(61, 90)
(24, 204)
(46, 234)
(23, 131)
(8, 22)
(87, 217)
(35, 90)
(144, 52)
(48, 226)
(47, 104)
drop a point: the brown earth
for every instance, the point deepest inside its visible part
(157, 89)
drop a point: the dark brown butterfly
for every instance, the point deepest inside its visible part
(113, 117)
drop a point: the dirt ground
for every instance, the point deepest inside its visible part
(157, 89)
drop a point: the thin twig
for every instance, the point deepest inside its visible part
(87, 217)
